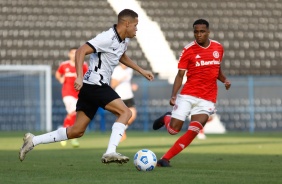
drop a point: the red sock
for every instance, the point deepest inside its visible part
(170, 130)
(201, 131)
(69, 120)
(167, 120)
(184, 140)
(66, 121)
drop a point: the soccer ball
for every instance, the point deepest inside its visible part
(145, 160)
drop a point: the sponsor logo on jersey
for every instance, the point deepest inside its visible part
(205, 63)
(70, 74)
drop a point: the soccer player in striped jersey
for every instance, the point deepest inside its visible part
(106, 50)
(200, 60)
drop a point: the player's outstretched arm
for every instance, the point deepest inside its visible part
(128, 62)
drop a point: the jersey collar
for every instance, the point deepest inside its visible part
(202, 46)
(115, 30)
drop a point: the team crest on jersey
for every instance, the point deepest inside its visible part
(215, 54)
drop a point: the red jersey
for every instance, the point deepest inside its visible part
(68, 70)
(202, 65)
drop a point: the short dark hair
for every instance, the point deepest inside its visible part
(127, 13)
(201, 21)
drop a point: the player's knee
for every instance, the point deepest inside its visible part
(175, 126)
(127, 113)
(79, 134)
(124, 115)
(171, 130)
(72, 133)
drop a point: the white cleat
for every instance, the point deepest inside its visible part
(27, 146)
(114, 157)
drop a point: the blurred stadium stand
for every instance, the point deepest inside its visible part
(41, 32)
(250, 31)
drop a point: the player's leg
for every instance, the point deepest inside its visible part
(123, 114)
(174, 120)
(161, 121)
(200, 115)
(86, 109)
(131, 105)
(185, 140)
(201, 135)
(134, 115)
(80, 125)
(69, 121)
(61, 134)
(70, 104)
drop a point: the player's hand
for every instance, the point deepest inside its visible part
(227, 84)
(78, 84)
(149, 75)
(172, 101)
(62, 79)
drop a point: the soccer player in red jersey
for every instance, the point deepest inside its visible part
(200, 60)
(66, 75)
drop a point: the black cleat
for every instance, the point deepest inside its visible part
(159, 123)
(163, 163)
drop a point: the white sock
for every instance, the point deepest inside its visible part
(117, 132)
(55, 136)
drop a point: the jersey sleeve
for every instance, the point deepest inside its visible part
(183, 60)
(100, 43)
(61, 69)
(222, 53)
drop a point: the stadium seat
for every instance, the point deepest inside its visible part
(41, 32)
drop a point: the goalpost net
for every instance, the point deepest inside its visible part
(25, 98)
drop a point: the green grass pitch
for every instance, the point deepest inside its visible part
(239, 158)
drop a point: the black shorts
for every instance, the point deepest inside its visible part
(129, 102)
(91, 97)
